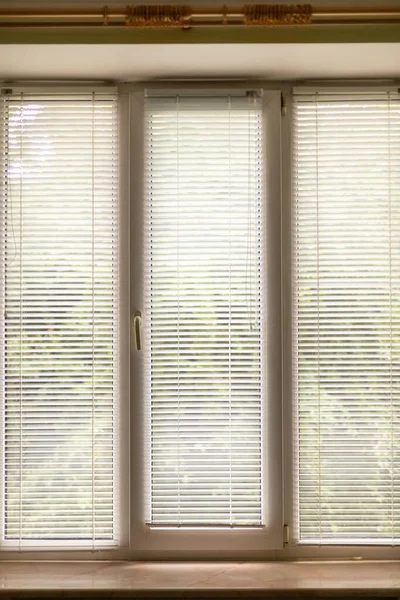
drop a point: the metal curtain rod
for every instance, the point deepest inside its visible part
(168, 15)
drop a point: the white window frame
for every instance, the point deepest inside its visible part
(53, 550)
(158, 542)
(291, 549)
(137, 540)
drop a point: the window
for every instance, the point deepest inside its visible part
(59, 320)
(251, 236)
(205, 309)
(346, 196)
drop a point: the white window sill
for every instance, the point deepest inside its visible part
(366, 579)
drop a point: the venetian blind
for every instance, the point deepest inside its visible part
(204, 309)
(59, 324)
(346, 186)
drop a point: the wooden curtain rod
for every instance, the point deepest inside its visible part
(187, 17)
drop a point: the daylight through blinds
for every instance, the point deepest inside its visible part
(204, 309)
(346, 228)
(59, 326)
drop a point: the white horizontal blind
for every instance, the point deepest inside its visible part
(204, 309)
(346, 185)
(59, 323)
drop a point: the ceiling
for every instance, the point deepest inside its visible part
(137, 62)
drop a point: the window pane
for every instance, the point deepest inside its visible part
(347, 316)
(59, 319)
(204, 310)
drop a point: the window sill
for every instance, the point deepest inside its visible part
(368, 579)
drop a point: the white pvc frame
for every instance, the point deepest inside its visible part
(84, 550)
(138, 541)
(293, 550)
(195, 542)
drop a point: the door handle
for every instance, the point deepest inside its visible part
(137, 325)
